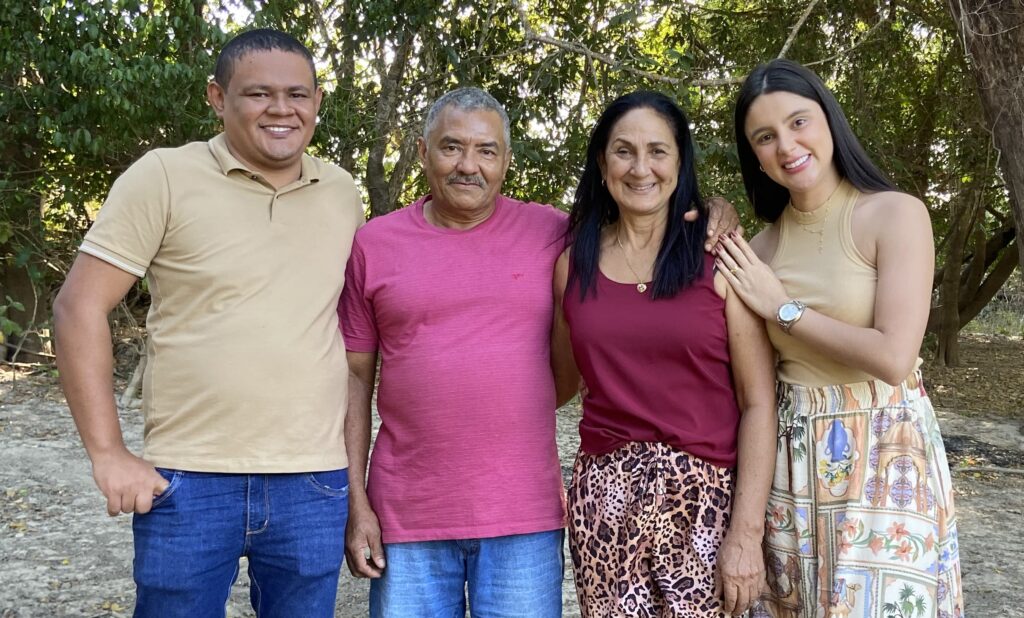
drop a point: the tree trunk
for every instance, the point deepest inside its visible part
(993, 34)
(377, 183)
(1000, 260)
(961, 215)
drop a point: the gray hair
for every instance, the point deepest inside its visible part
(467, 99)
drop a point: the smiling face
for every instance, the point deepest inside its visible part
(792, 140)
(640, 164)
(269, 111)
(465, 159)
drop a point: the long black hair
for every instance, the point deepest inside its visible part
(680, 258)
(768, 197)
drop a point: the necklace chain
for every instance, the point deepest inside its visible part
(640, 285)
(819, 231)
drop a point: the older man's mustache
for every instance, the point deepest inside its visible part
(461, 179)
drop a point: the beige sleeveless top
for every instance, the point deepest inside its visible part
(819, 265)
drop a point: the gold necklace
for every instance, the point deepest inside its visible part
(806, 219)
(640, 285)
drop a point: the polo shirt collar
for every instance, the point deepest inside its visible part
(228, 163)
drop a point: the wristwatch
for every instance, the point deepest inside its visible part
(789, 313)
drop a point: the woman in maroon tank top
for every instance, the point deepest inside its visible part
(666, 506)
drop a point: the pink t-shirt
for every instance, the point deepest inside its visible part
(462, 321)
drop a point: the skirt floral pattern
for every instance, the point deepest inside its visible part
(860, 519)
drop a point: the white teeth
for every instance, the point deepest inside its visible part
(278, 129)
(797, 163)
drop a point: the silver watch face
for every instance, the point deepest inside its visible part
(789, 312)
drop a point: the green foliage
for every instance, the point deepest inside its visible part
(9, 327)
(87, 86)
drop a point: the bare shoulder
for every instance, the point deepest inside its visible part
(890, 210)
(891, 203)
(765, 242)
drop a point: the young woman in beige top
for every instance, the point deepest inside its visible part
(860, 518)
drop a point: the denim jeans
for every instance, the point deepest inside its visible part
(291, 527)
(507, 576)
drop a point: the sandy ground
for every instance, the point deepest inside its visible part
(60, 555)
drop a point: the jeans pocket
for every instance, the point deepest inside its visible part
(332, 483)
(173, 478)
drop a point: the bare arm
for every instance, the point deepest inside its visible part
(740, 560)
(901, 233)
(363, 530)
(567, 376)
(92, 289)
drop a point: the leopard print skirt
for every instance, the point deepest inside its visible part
(645, 525)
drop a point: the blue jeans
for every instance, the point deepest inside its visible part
(506, 576)
(291, 527)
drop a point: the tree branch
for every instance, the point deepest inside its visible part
(846, 50)
(796, 29)
(530, 35)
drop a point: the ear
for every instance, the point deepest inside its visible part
(319, 96)
(508, 161)
(215, 96)
(602, 165)
(421, 149)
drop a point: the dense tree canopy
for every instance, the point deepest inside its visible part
(87, 86)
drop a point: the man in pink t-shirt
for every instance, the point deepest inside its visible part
(454, 294)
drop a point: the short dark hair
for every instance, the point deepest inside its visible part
(259, 40)
(680, 258)
(768, 197)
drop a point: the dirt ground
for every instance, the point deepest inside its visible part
(60, 555)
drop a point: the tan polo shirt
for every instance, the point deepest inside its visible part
(246, 368)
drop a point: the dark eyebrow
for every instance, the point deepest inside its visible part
(649, 144)
(251, 87)
(788, 118)
(448, 139)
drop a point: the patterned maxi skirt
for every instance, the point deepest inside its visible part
(860, 520)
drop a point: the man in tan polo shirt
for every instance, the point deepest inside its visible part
(244, 241)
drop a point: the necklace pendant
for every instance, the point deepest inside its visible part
(641, 287)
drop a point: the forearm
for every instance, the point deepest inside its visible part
(357, 445)
(889, 356)
(756, 448)
(85, 362)
(362, 371)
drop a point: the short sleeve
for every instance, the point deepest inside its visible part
(132, 221)
(355, 311)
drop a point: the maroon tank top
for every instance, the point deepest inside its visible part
(656, 371)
